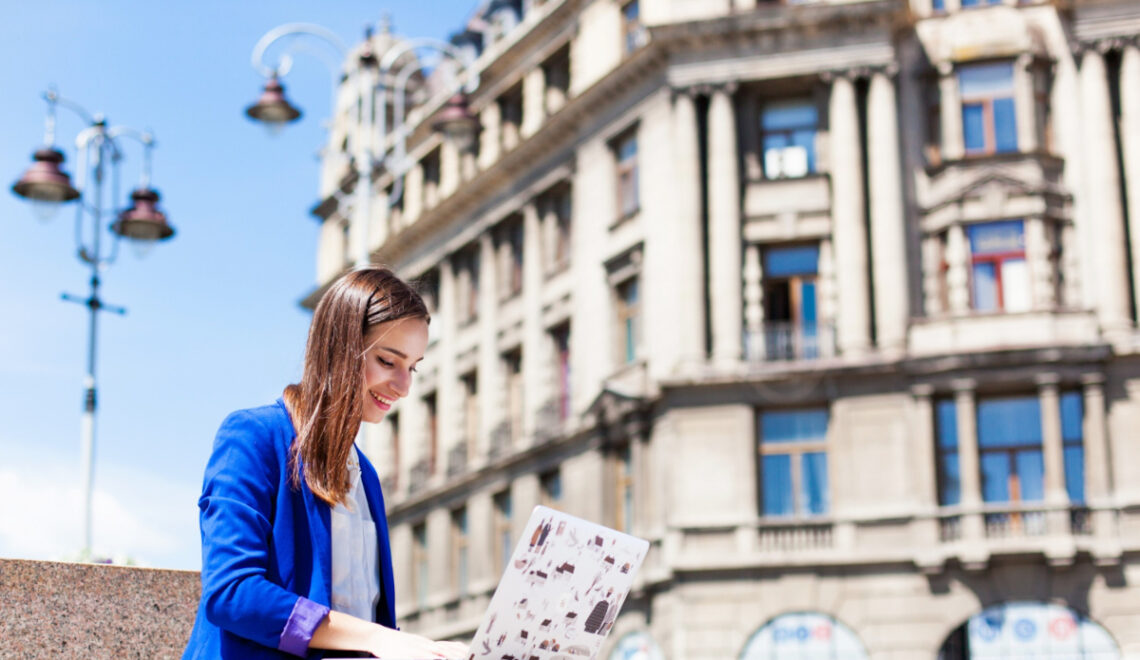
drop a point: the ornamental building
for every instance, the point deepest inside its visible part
(834, 303)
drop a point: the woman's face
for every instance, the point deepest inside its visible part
(391, 351)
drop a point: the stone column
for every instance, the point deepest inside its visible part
(688, 255)
(490, 381)
(1098, 477)
(725, 288)
(848, 227)
(1038, 251)
(1025, 103)
(958, 270)
(534, 340)
(932, 280)
(1103, 213)
(968, 464)
(753, 303)
(887, 223)
(953, 146)
(826, 298)
(448, 402)
(1130, 146)
(924, 489)
(534, 101)
(491, 120)
(450, 162)
(1053, 452)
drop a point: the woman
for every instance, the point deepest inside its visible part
(295, 553)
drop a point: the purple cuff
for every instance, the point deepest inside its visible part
(302, 623)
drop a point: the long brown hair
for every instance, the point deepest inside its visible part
(327, 405)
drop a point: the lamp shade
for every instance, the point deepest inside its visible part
(457, 122)
(143, 221)
(272, 107)
(44, 180)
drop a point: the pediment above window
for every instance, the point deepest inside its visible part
(1020, 187)
(995, 32)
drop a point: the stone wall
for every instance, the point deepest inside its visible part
(94, 611)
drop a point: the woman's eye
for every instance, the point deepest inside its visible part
(386, 363)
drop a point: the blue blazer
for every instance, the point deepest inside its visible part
(266, 559)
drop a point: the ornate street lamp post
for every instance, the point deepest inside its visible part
(47, 186)
(374, 74)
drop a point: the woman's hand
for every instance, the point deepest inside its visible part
(388, 643)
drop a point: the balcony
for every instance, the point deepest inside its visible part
(1019, 520)
(457, 459)
(785, 341)
(419, 475)
(502, 437)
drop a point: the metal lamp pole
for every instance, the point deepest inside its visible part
(46, 184)
(372, 74)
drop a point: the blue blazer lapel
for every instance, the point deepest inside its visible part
(386, 610)
(320, 526)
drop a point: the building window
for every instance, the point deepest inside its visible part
(980, 3)
(467, 283)
(933, 147)
(625, 151)
(556, 71)
(557, 218)
(623, 489)
(502, 529)
(1072, 437)
(512, 366)
(1011, 459)
(510, 113)
(989, 122)
(420, 563)
(560, 338)
(791, 328)
(793, 463)
(946, 431)
(510, 239)
(633, 32)
(628, 319)
(999, 273)
(431, 417)
(470, 391)
(393, 420)
(550, 488)
(788, 130)
(430, 166)
(428, 287)
(459, 551)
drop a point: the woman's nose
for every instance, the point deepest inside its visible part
(402, 383)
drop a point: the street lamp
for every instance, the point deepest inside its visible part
(390, 71)
(47, 186)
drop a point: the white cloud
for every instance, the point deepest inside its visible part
(134, 514)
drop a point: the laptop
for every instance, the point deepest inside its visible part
(561, 591)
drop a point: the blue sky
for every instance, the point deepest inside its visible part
(213, 322)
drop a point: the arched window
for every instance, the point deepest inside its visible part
(804, 636)
(1023, 630)
(636, 646)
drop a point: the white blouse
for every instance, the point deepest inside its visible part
(355, 559)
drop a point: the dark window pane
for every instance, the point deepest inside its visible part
(1031, 475)
(946, 419)
(814, 480)
(986, 79)
(995, 477)
(777, 482)
(1009, 422)
(807, 303)
(974, 126)
(785, 116)
(1005, 126)
(788, 261)
(1075, 474)
(997, 237)
(985, 287)
(793, 426)
(949, 488)
(1072, 417)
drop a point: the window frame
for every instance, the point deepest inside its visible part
(986, 102)
(997, 260)
(460, 551)
(795, 450)
(628, 319)
(627, 174)
(788, 133)
(502, 536)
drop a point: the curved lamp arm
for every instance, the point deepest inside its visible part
(285, 62)
(146, 139)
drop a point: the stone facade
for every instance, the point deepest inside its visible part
(767, 285)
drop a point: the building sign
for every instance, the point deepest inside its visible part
(636, 646)
(1036, 630)
(804, 636)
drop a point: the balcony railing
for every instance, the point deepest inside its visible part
(501, 437)
(795, 535)
(550, 421)
(1020, 520)
(783, 341)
